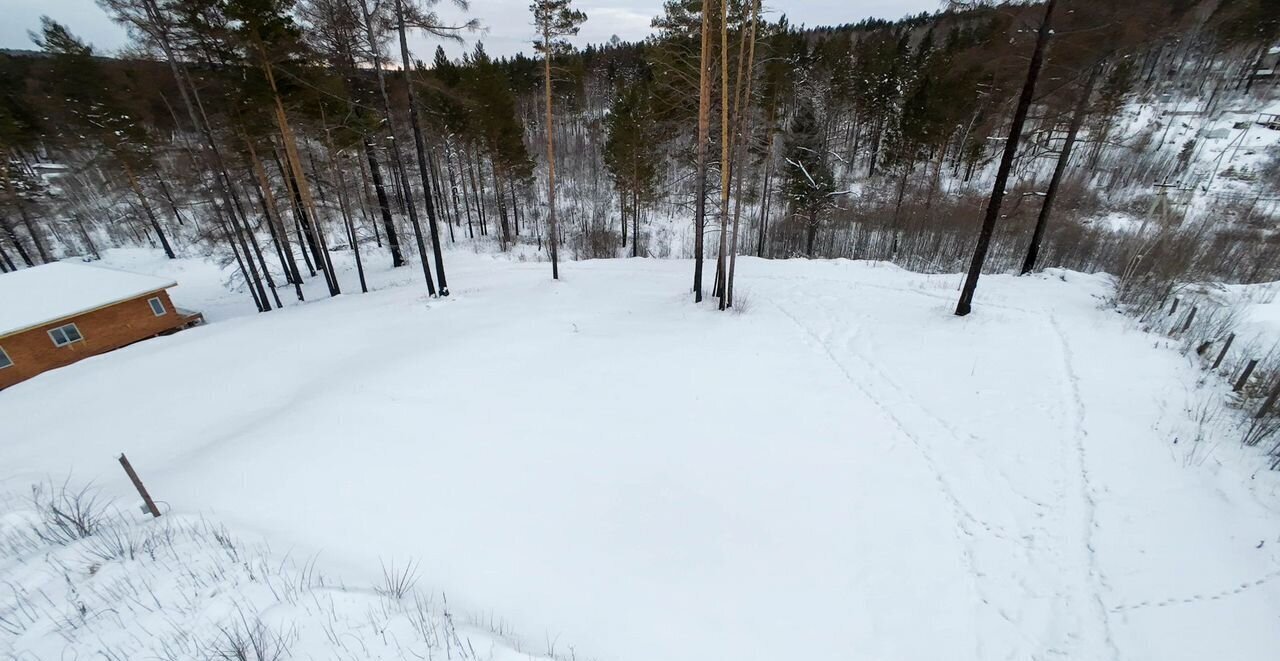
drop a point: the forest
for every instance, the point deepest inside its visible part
(946, 336)
(271, 132)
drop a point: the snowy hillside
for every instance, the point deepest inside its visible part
(843, 470)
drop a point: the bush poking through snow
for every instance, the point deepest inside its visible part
(251, 640)
(82, 579)
(66, 514)
(398, 582)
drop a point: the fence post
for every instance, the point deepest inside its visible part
(1244, 378)
(1271, 400)
(1190, 317)
(137, 484)
(1223, 354)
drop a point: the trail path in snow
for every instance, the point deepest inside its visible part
(845, 470)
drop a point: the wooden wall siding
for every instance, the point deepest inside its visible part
(32, 351)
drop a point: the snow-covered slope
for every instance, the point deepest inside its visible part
(843, 470)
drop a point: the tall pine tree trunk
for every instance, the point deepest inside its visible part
(275, 222)
(726, 161)
(965, 304)
(13, 238)
(146, 208)
(421, 149)
(741, 104)
(36, 240)
(500, 198)
(1060, 169)
(258, 300)
(453, 189)
(393, 146)
(294, 160)
(704, 126)
(384, 205)
(477, 191)
(551, 161)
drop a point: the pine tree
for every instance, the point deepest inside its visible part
(808, 184)
(965, 304)
(428, 21)
(631, 153)
(95, 112)
(553, 19)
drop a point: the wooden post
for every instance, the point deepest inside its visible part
(1244, 378)
(137, 484)
(1271, 400)
(1223, 354)
(1190, 317)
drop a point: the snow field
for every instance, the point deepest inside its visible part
(844, 470)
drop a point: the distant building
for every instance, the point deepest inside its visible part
(57, 314)
(1267, 64)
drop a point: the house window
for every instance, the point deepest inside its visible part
(157, 306)
(5, 361)
(64, 335)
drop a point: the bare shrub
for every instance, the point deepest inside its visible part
(243, 640)
(1262, 429)
(114, 542)
(398, 581)
(67, 514)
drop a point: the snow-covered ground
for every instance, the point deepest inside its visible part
(843, 470)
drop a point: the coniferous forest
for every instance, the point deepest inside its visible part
(327, 332)
(272, 132)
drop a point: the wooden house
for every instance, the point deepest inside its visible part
(56, 314)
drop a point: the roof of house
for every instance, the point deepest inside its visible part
(43, 294)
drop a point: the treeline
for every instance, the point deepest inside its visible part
(274, 132)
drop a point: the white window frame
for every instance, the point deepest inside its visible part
(156, 301)
(65, 342)
(5, 360)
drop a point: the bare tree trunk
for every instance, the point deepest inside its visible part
(384, 206)
(515, 205)
(301, 216)
(258, 301)
(551, 161)
(266, 271)
(466, 199)
(146, 209)
(393, 146)
(726, 160)
(965, 304)
(341, 184)
(420, 144)
(1077, 120)
(453, 189)
(499, 198)
(268, 211)
(274, 221)
(164, 190)
(741, 104)
(477, 191)
(765, 197)
(366, 199)
(84, 235)
(303, 188)
(442, 200)
(36, 239)
(704, 125)
(7, 265)
(199, 122)
(13, 238)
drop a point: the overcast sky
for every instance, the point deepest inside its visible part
(506, 21)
